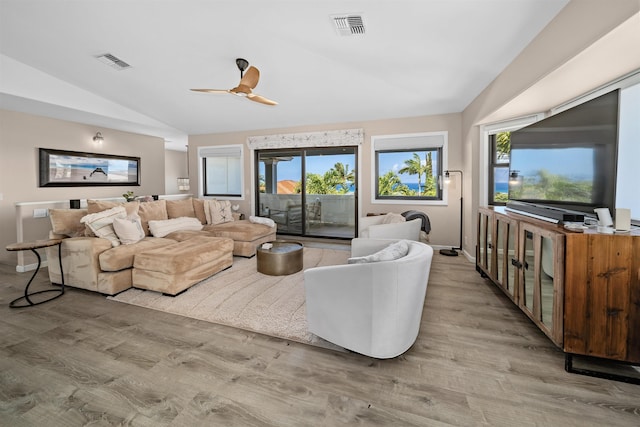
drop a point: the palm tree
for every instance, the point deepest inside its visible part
(414, 166)
(343, 175)
(429, 179)
(389, 184)
(319, 184)
(503, 144)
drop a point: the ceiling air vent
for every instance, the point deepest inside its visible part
(113, 61)
(349, 25)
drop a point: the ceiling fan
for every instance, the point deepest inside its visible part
(248, 81)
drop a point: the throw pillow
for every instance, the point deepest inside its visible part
(101, 223)
(95, 206)
(261, 220)
(393, 218)
(220, 211)
(152, 211)
(164, 227)
(395, 250)
(199, 209)
(67, 221)
(129, 230)
(180, 208)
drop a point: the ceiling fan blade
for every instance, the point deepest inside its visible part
(250, 78)
(211, 90)
(261, 99)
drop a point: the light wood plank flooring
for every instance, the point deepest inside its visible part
(84, 360)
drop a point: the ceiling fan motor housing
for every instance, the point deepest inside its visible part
(242, 64)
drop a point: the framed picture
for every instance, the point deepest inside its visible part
(59, 168)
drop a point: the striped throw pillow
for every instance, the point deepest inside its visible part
(101, 223)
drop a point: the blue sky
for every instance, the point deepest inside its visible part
(569, 162)
(395, 162)
(315, 164)
(290, 170)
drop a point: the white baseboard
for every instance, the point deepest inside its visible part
(465, 253)
(30, 267)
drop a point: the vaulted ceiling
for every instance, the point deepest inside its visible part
(415, 58)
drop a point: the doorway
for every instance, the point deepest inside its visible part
(309, 191)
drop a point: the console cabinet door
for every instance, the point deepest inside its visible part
(541, 260)
(483, 255)
(506, 254)
(602, 296)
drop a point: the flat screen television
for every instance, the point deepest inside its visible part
(567, 162)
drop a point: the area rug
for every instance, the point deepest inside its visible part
(243, 298)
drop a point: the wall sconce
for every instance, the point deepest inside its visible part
(183, 184)
(98, 139)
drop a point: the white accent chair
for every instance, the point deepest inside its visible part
(374, 227)
(375, 308)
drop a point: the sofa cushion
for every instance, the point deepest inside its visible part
(101, 223)
(182, 235)
(180, 208)
(95, 206)
(121, 257)
(242, 230)
(192, 253)
(164, 227)
(152, 211)
(198, 208)
(394, 251)
(129, 230)
(67, 221)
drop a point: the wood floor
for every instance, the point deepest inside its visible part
(83, 360)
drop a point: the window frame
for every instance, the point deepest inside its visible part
(411, 143)
(493, 164)
(221, 151)
(487, 184)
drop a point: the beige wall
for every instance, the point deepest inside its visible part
(444, 219)
(175, 165)
(20, 137)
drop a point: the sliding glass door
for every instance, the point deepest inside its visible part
(279, 190)
(309, 192)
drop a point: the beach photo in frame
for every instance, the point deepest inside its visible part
(60, 168)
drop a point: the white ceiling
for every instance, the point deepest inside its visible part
(417, 58)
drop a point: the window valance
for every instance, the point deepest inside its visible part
(331, 138)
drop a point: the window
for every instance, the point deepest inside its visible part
(499, 148)
(408, 167)
(222, 171)
(494, 188)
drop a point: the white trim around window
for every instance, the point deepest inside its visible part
(409, 141)
(229, 174)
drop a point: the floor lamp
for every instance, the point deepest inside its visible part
(453, 251)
